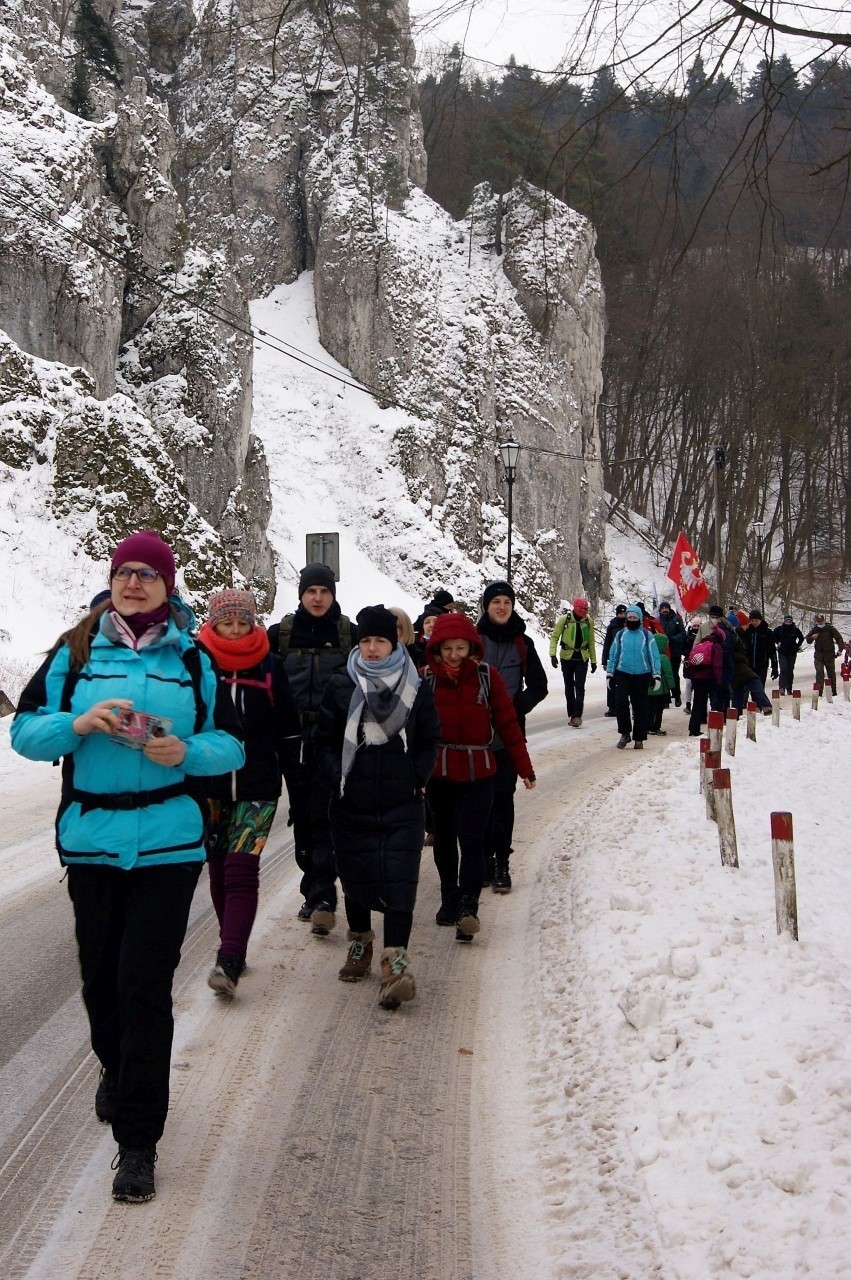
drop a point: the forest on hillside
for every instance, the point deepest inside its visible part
(723, 215)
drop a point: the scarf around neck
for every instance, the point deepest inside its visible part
(235, 655)
(382, 698)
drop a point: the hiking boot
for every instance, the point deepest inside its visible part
(134, 1181)
(397, 981)
(106, 1096)
(687, 708)
(623, 741)
(447, 912)
(678, 702)
(224, 975)
(359, 958)
(461, 936)
(322, 919)
(610, 715)
(468, 917)
(577, 722)
(638, 746)
(304, 913)
(502, 880)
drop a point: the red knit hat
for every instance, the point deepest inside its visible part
(580, 606)
(454, 626)
(149, 548)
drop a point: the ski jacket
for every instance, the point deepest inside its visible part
(571, 633)
(672, 625)
(635, 653)
(825, 640)
(378, 824)
(272, 729)
(118, 808)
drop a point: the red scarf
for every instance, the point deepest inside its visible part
(235, 655)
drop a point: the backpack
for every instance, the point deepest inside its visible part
(699, 664)
(484, 673)
(285, 634)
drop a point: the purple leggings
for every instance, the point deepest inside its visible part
(238, 831)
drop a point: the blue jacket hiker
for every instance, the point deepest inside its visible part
(633, 668)
(134, 708)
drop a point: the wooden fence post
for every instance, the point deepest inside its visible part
(783, 857)
(752, 721)
(775, 706)
(724, 818)
(828, 691)
(715, 727)
(732, 719)
(711, 762)
(796, 704)
(704, 747)
(846, 688)
(815, 698)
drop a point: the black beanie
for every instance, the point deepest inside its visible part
(499, 588)
(316, 575)
(442, 597)
(375, 620)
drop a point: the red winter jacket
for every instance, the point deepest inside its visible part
(467, 724)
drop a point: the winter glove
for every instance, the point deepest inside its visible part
(610, 682)
(593, 667)
(656, 683)
(554, 661)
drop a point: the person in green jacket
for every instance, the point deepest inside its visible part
(572, 639)
(661, 698)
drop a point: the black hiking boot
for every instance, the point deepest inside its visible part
(502, 880)
(134, 1181)
(447, 912)
(106, 1096)
(468, 917)
(224, 975)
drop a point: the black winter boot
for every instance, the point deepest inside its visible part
(134, 1181)
(468, 917)
(502, 880)
(447, 913)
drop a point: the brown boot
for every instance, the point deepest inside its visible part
(397, 981)
(359, 957)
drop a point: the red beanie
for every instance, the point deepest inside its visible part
(454, 626)
(149, 548)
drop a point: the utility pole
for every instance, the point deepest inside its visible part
(718, 474)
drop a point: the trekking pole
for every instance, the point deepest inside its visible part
(724, 817)
(732, 721)
(796, 704)
(783, 858)
(752, 721)
(775, 707)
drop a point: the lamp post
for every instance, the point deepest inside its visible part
(508, 452)
(759, 525)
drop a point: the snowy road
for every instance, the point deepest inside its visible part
(311, 1133)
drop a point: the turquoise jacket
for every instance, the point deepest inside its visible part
(635, 653)
(126, 830)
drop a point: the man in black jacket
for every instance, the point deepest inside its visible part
(788, 641)
(760, 647)
(672, 625)
(512, 653)
(616, 624)
(313, 642)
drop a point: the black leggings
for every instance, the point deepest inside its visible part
(397, 924)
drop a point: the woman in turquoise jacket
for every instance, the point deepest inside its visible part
(134, 709)
(633, 669)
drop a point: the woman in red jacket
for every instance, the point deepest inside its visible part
(472, 701)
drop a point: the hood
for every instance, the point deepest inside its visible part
(454, 626)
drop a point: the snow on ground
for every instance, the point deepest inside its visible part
(728, 1105)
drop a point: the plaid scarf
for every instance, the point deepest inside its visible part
(382, 698)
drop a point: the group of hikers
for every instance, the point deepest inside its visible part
(390, 736)
(723, 660)
(175, 744)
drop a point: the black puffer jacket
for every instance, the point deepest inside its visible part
(313, 648)
(377, 825)
(272, 731)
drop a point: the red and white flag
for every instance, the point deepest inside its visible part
(685, 571)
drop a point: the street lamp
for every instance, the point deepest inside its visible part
(508, 452)
(759, 525)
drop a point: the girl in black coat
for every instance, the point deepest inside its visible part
(242, 805)
(376, 736)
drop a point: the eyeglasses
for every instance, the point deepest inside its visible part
(124, 573)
